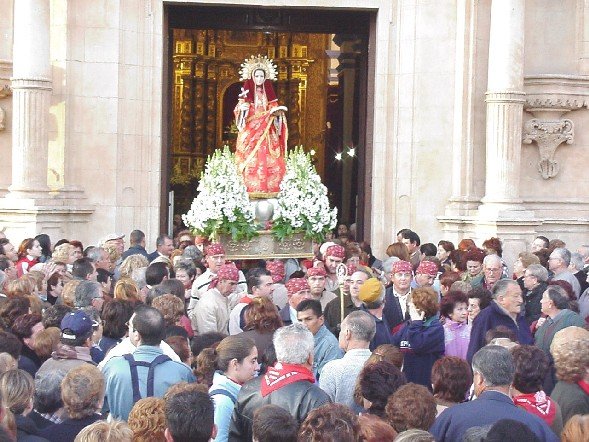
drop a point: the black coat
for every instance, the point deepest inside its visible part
(533, 309)
(298, 398)
(26, 430)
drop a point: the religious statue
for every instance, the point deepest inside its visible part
(263, 132)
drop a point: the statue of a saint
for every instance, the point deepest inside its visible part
(263, 133)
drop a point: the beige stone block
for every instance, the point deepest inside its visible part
(129, 123)
(82, 114)
(435, 20)
(131, 46)
(107, 110)
(100, 79)
(95, 13)
(76, 34)
(133, 14)
(131, 82)
(130, 152)
(101, 45)
(74, 76)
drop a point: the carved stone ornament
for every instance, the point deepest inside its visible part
(2, 119)
(548, 135)
(548, 98)
(5, 91)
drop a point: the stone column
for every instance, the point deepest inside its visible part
(505, 99)
(31, 84)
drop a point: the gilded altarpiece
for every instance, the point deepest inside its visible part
(206, 85)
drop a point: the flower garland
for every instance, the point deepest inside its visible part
(303, 205)
(222, 204)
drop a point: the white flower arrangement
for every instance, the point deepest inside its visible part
(303, 205)
(222, 204)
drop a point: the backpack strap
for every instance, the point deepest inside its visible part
(133, 364)
(223, 393)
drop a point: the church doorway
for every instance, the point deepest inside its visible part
(323, 64)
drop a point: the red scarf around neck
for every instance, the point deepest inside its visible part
(537, 403)
(281, 375)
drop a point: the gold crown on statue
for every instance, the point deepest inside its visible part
(252, 64)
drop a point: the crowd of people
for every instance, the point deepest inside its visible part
(432, 342)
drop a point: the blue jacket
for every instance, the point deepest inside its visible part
(119, 388)
(383, 333)
(487, 409)
(326, 349)
(422, 343)
(490, 317)
(224, 404)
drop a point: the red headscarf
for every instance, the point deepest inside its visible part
(214, 248)
(295, 285)
(402, 266)
(316, 271)
(336, 250)
(276, 268)
(226, 272)
(427, 268)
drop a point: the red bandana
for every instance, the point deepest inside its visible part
(226, 271)
(584, 386)
(537, 403)
(214, 249)
(316, 271)
(295, 285)
(276, 268)
(281, 375)
(336, 250)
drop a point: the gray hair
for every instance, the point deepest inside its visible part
(86, 291)
(558, 296)
(495, 364)
(491, 258)
(564, 254)
(293, 344)
(94, 253)
(538, 271)
(387, 264)
(577, 261)
(361, 324)
(501, 286)
(193, 253)
(47, 396)
(138, 276)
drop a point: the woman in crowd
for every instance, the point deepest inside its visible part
(451, 380)
(374, 429)
(474, 266)
(115, 316)
(105, 279)
(16, 391)
(148, 420)
(454, 310)
(531, 367)
(130, 263)
(576, 429)
(523, 261)
(65, 253)
(261, 321)
(377, 382)
(479, 298)
(446, 280)
(235, 361)
(185, 273)
(171, 307)
(46, 342)
(29, 253)
(534, 279)
(127, 290)
(330, 422)
(444, 249)
(411, 406)
(45, 243)
(399, 250)
(26, 328)
(422, 338)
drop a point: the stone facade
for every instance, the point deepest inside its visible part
(479, 119)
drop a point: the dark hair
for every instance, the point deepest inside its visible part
(45, 243)
(47, 396)
(172, 286)
(330, 422)
(3, 242)
(4, 261)
(475, 254)
(558, 295)
(449, 278)
(495, 244)
(482, 294)
(531, 366)
(411, 236)
(159, 241)
(103, 275)
(149, 323)
(10, 344)
(175, 331)
(25, 245)
(136, 237)
(206, 340)
(155, 273)
(254, 277)
(53, 315)
(310, 304)
(23, 325)
(273, 423)
(377, 382)
(82, 267)
(116, 315)
(501, 331)
(77, 245)
(448, 246)
(451, 379)
(457, 257)
(428, 249)
(190, 416)
(232, 347)
(11, 309)
(505, 430)
(449, 302)
(411, 406)
(60, 242)
(180, 346)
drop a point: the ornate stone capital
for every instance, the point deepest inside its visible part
(548, 135)
(548, 98)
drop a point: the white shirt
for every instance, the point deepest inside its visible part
(125, 347)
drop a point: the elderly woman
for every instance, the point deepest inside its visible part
(377, 382)
(148, 420)
(479, 298)
(570, 350)
(454, 308)
(422, 338)
(330, 422)
(523, 261)
(474, 266)
(534, 280)
(82, 392)
(531, 367)
(555, 305)
(16, 391)
(451, 380)
(26, 328)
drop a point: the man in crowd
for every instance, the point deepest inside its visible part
(504, 310)
(539, 243)
(89, 294)
(558, 263)
(163, 247)
(317, 278)
(493, 370)
(115, 239)
(84, 269)
(326, 345)
(100, 258)
(260, 285)
(297, 290)
(576, 268)
(396, 309)
(339, 376)
(333, 311)
(289, 384)
(212, 312)
(372, 295)
(334, 256)
(492, 272)
(412, 241)
(7, 249)
(137, 245)
(190, 417)
(145, 373)
(425, 275)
